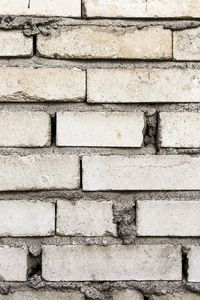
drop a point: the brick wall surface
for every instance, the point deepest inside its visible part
(100, 149)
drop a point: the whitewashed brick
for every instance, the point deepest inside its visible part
(194, 264)
(13, 262)
(101, 263)
(180, 130)
(100, 129)
(85, 218)
(43, 295)
(186, 44)
(142, 172)
(38, 172)
(107, 42)
(168, 218)
(15, 43)
(142, 85)
(27, 218)
(43, 84)
(143, 8)
(25, 129)
(126, 295)
(49, 8)
(176, 296)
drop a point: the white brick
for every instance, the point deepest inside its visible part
(27, 218)
(15, 43)
(143, 8)
(176, 296)
(43, 84)
(168, 218)
(25, 129)
(13, 262)
(180, 130)
(100, 129)
(38, 172)
(101, 263)
(142, 172)
(143, 85)
(126, 295)
(60, 8)
(107, 42)
(85, 218)
(43, 295)
(186, 44)
(194, 264)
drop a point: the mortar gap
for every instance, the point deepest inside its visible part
(86, 86)
(34, 45)
(185, 264)
(146, 298)
(56, 210)
(157, 137)
(81, 174)
(83, 10)
(34, 265)
(53, 130)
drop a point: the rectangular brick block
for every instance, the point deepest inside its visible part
(99, 129)
(14, 43)
(87, 42)
(38, 172)
(116, 262)
(85, 218)
(126, 294)
(43, 84)
(143, 8)
(43, 295)
(27, 218)
(142, 85)
(13, 262)
(179, 130)
(168, 218)
(194, 264)
(48, 8)
(186, 44)
(101, 173)
(25, 129)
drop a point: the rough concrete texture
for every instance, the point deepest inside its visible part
(107, 42)
(124, 203)
(127, 295)
(43, 295)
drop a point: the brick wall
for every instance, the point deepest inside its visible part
(100, 149)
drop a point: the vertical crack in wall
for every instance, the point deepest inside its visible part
(29, 4)
(185, 263)
(83, 10)
(34, 45)
(53, 130)
(151, 130)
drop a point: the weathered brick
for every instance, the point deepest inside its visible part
(101, 263)
(176, 296)
(142, 8)
(41, 84)
(126, 295)
(60, 8)
(100, 129)
(180, 130)
(38, 172)
(168, 218)
(15, 43)
(193, 264)
(25, 129)
(107, 42)
(186, 44)
(142, 85)
(85, 218)
(13, 262)
(27, 218)
(141, 172)
(43, 295)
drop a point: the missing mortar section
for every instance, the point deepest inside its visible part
(124, 217)
(185, 264)
(53, 130)
(151, 130)
(34, 274)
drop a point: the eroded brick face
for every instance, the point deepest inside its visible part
(99, 149)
